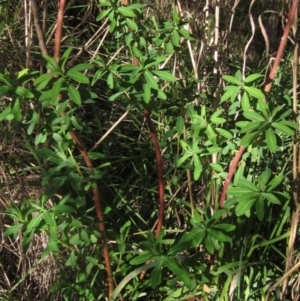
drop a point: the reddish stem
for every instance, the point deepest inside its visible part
(283, 41)
(231, 171)
(267, 89)
(159, 171)
(87, 161)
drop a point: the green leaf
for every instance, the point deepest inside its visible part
(85, 237)
(179, 247)
(165, 75)
(74, 95)
(290, 124)
(225, 227)
(44, 84)
(136, 5)
(231, 79)
(110, 81)
(104, 3)
(198, 167)
(33, 224)
(136, 52)
(40, 138)
(57, 137)
(260, 208)
(217, 167)
(214, 149)
(52, 244)
(49, 219)
(43, 77)
(245, 102)
(254, 125)
(26, 242)
(230, 93)
(217, 120)
(184, 33)
(254, 92)
(183, 159)
(51, 61)
(224, 133)
(103, 14)
(62, 209)
(93, 239)
(227, 267)
(179, 271)
(271, 140)
(113, 22)
(82, 67)
(75, 240)
(147, 93)
(78, 76)
(23, 92)
(218, 235)
(169, 48)
(16, 109)
(115, 96)
(4, 90)
(6, 80)
(251, 115)
(275, 182)
(150, 238)
(264, 108)
(179, 125)
(282, 128)
(175, 38)
(209, 245)
(247, 184)
(129, 68)
(126, 11)
(140, 259)
(252, 78)
(131, 24)
(211, 134)
(92, 260)
(244, 206)
(151, 80)
(271, 198)
(156, 274)
(237, 191)
(56, 90)
(264, 178)
(13, 230)
(65, 56)
(72, 260)
(161, 94)
(249, 138)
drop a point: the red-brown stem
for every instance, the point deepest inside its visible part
(87, 161)
(267, 89)
(159, 172)
(281, 46)
(99, 213)
(161, 184)
(59, 26)
(231, 171)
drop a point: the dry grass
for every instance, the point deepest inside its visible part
(22, 276)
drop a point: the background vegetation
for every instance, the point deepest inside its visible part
(144, 155)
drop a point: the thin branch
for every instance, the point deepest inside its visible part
(159, 172)
(282, 45)
(267, 89)
(39, 32)
(87, 161)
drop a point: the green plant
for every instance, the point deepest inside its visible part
(205, 248)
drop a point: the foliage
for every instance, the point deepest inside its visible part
(204, 251)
